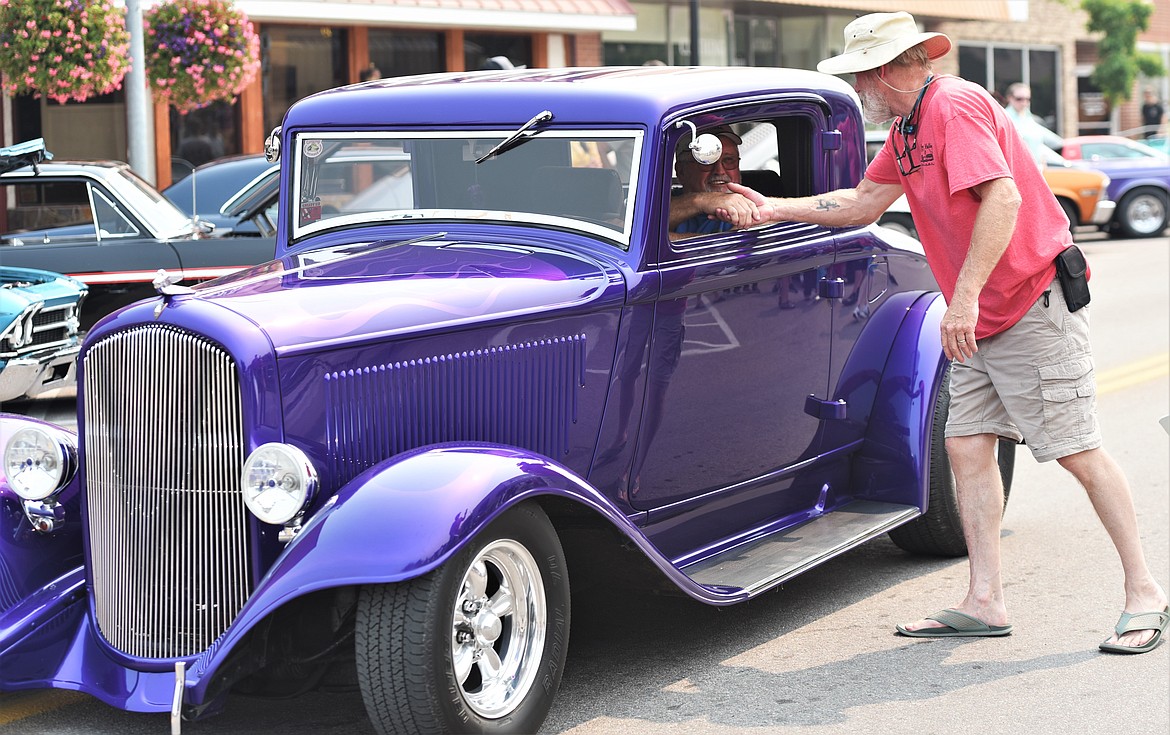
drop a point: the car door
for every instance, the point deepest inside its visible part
(741, 339)
(77, 227)
(220, 256)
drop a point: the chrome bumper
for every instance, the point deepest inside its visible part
(1104, 212)
(32, 375)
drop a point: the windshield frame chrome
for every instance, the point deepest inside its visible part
(483, 139)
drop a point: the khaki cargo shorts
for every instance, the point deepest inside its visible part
(1033, 382)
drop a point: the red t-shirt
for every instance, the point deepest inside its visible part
(964, 139)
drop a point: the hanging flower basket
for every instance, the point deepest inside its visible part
(63, 49)
(199, 51)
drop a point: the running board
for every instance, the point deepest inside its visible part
(767, 561)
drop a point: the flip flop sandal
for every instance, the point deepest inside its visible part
(1129, 622)
(958, 625)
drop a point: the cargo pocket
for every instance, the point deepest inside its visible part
(1067, 389)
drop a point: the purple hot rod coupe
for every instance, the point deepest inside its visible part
(478, 371)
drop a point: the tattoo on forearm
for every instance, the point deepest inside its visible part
(826, 204)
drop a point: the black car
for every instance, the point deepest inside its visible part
(203, 191)
(98, 222)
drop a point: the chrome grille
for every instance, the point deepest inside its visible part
(37, 329)
(168, 528)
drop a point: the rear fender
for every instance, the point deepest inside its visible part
(894, 462)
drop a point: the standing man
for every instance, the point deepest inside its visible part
(1152, 114)
(1038, 138)
(991, 230)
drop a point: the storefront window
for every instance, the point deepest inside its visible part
(973, 65)
(203, 135)
(997, 67)
(800, 42)
(299, 61)
(646, 43)
(479, 47)
(714, 36)
(755, 42)
(397, 53)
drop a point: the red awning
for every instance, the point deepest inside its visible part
(550, 15)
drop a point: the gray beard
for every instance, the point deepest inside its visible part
(874, 109)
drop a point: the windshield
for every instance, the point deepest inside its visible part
(572, 179)
(160, 213)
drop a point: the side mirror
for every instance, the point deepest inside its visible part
(706, 148)
(272, 146)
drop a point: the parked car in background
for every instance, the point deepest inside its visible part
(481, 370)
(1081, 192)
(384, 183)
(207, 188)
(1099, 147)
(39, 321)
(102, 224)
(1139, 181)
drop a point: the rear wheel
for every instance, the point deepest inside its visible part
(476, 646)
(940, 530)
(1142, 213)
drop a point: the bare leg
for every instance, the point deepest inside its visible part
(1110, 495)
(980, 493)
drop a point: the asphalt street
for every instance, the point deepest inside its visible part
(818, 656)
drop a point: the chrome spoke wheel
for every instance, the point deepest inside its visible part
(498, 628)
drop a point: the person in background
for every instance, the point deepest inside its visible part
(1019, 110)
(1152, 114)
(991, 231)
(370, 73)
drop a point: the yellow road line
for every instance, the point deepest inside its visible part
(22, 705)
(1134, 373)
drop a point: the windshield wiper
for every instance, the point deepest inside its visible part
(540, 117)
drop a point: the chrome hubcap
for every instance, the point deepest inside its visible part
(1147, 213)
(498, 629)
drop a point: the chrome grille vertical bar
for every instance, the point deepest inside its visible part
(168, 530)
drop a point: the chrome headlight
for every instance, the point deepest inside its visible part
(39, 461)
(279, 481)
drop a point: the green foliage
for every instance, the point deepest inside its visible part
(1119, 60)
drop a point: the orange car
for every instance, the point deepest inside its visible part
(1083, 193)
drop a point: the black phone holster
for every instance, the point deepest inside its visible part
(1071, 271)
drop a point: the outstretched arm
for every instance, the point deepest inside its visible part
(842, 208)
(685, 206)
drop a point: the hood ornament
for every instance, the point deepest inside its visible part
(166, 286)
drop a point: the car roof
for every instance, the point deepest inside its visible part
(93, 169)
(217, 182)
(597, 96)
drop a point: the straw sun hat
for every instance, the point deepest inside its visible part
(878, 38)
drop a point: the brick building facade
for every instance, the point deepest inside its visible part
(311, 45)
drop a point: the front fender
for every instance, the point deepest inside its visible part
(404, 517)
(30, 559)
(399, 520)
